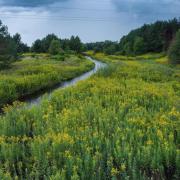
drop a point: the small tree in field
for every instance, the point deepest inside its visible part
(54, 47)
(174, 50)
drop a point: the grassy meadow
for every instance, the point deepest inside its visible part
(156, 57)
(35, 72)
(122, 123)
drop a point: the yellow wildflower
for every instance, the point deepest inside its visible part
(114, 171)
(160, 134)
(149, 142)
(123, 167)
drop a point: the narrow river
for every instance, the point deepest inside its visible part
(35, 99)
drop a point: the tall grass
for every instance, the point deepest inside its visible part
(31, 75)
(122, 123)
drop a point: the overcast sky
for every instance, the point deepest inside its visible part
(92, 20)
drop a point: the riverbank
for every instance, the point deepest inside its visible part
(31, 75)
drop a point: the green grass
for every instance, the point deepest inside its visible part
(122, 123)
(33, 74)
(116, 58)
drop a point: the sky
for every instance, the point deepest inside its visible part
(91, 20)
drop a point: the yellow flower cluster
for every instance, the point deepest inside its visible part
(121, 123)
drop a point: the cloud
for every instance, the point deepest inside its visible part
(28, 3)
(150, 7)
(36, 18)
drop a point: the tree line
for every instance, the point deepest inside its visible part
(12, 46)
(155, 37)
(54, 45)
(107, 47)
(161, 36)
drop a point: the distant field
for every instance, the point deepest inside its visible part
(122, 123)
(38, 71)
(157, 57)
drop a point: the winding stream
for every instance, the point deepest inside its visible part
(35, 99)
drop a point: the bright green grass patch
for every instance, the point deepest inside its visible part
(108, 58)
(122, 123)
(31, 75)
(117, 58)
(162, 60)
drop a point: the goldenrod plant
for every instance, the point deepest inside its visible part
(122, 123)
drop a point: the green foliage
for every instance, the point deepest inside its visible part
(46, 42)
(155, 37)
(75, 44)
(108, 47)
(149, 38)
(21, 47)
(54, 47)
(174, 50)
(122, 123)
(31, 75)
(138, 47)
(8, 48)
(128, 49)
(42, 46)
(37, 46)
(110, 50)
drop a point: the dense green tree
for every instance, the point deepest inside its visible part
(138, 47)
(24, 48)
(156, 37)
(21, 47)
(128, 49)
(43, 45)
(17, 39)
(8, 48)
(107, 47)
(65, 44)
(54, 47)
(46, 42)
(97, 46)
(75, 44)
(174, 50)
(111, 49)
(37, 46)
(97, 49)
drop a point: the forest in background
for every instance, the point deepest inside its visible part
(156, 37)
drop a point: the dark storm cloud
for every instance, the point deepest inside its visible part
(151, 7)
(34, 19)
(28, 3)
